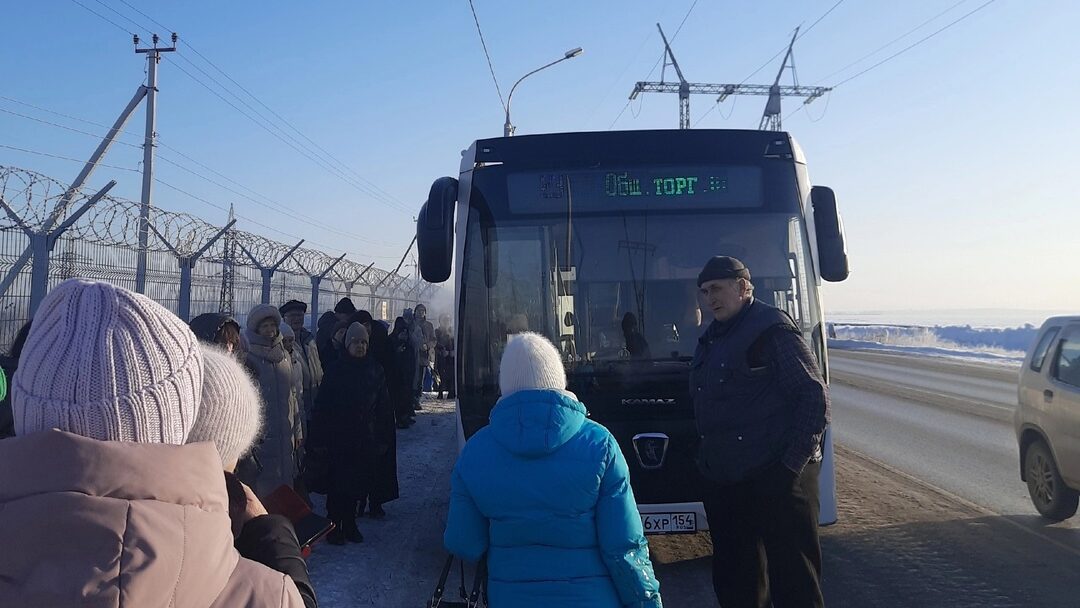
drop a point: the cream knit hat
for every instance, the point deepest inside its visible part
(108, 364)
(530, 361)
(231, 413)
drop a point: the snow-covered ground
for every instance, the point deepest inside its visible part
(988, 344)
(402, 555)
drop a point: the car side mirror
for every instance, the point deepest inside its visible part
(435, 231)
(831, 244)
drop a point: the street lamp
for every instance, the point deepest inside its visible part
(508, 129)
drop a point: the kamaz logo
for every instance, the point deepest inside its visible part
(648, 402)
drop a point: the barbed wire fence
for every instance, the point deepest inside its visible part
(50, 233)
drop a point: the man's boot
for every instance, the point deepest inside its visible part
(352, 533)
(337, 535)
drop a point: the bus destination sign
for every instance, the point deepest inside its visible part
(648, 188)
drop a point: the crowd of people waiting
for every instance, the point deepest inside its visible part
(138, 452)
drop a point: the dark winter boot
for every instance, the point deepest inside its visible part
(376, 511)
(352, 533)
(337, 535)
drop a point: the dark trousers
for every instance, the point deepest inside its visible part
(341, 507)
(765, 542)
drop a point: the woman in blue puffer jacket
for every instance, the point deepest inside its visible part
(545, 494)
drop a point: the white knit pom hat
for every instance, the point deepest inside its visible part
(230, 415)
(530, 361)
(108, 364)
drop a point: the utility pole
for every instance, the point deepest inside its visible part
(225, 303)
(153, 56)
(770, 119)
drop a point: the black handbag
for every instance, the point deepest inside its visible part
(315, 470)
(477, 598)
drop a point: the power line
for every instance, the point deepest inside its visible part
(260, 224)
(385, 198)
(62, 115)
(278, 133)
(39, 153)
(284, 211)
(326, 153)
(66, 128)
(190, 195)
(274, 205)
(487, 55)
(831, 9)
(321, 164)
(657, 64)
(917, 43)
(717, 105)
(154, 21)
(797, 38)
(106, 19)
(125, 17)
(894, 40)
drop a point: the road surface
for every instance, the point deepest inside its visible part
(932, 509)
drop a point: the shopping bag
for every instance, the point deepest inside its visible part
(476, 598)
(308, 525)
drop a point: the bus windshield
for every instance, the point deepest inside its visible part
(616, 287)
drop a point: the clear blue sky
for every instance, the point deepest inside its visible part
(952, 163)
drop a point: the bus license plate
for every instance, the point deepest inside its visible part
(669, 523)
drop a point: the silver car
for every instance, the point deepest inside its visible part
(1048, 418)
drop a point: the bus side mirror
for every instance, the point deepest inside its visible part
(832, 249)
(435, 231)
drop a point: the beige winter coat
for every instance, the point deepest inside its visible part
(111, 524)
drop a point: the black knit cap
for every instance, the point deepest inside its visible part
(345, 306)
(722, 267)
(292, 305)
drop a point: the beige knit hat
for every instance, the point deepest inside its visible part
(230, 416)
(108, 364)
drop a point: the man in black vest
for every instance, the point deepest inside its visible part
(761, 407)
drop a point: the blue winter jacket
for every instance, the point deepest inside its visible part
(545, 493)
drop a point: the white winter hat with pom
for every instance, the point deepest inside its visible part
(530, 361)
(230, 416)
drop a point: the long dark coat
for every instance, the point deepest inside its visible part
(384, 486)
(350, 406)
(407, 356)
(324, 338)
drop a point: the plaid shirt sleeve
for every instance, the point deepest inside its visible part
(800, 380)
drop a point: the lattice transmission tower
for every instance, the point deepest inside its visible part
(770, 118)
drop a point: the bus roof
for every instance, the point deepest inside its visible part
(661, 146)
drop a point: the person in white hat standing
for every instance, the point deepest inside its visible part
(545, 494)
(102, 502)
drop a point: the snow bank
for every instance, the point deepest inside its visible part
(1005, 345)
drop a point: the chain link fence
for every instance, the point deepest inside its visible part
(49, 234)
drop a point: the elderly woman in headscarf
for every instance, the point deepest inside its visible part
(384, 483)
(344, 424)
(271, 366)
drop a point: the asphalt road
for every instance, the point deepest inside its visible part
(954, 430)
(932, 511)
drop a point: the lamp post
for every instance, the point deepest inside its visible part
(508, 129)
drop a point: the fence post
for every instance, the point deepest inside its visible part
(41, 244)
(315, 282)
(187, 264)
